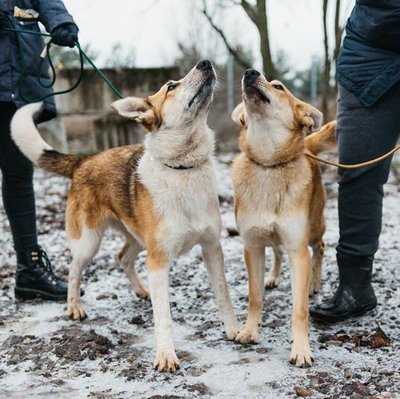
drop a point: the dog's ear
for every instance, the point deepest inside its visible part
(137, 109)
(239, 115)
(308, 117)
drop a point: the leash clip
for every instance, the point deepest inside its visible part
(44, 52)
(25, 14)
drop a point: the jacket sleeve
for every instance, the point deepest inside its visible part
(52, 13)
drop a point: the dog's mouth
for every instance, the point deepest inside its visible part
(205, 89)
(254, 91)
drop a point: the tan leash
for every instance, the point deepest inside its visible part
(358, 165)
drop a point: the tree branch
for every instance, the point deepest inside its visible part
(250, 11)
(236, 54)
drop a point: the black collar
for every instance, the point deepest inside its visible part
(180, 167)
(274, 166)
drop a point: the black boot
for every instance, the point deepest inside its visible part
(354, 296)
(35, 278)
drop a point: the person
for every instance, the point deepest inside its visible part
(34, 275)
(368, 125)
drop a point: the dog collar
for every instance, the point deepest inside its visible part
(274, 166)
(180, 167)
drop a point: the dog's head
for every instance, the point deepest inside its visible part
(272, 103)
(176, 104)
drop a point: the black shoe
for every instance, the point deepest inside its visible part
(35, 278)
(354, 296)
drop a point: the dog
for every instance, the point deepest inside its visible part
(279, 199)
(161, 196)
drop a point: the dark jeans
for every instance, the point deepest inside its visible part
(17, 185)
(363, 134)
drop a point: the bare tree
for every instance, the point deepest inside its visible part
(330, 60)
(326, 85)
(236, 54)
(197, 41)
(121, 57)
(258, 15)
(338, 37)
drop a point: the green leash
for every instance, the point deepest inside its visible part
(82, 57)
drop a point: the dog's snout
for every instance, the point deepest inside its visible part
(251, 73)
(204, 65)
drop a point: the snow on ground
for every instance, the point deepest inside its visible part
(110, 355)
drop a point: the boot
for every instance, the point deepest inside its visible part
(35, 278)
(354, 296)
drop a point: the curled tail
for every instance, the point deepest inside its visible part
(323, 140)
(31, 144)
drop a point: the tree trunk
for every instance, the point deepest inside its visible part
(265, 48)
(258, 14)
(327, 64)
(338, 40)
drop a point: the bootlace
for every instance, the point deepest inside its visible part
(42, 260)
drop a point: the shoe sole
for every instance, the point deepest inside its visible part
(26, 294)
(359, 313)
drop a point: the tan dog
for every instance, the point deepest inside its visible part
(279, 199)
(161, 196)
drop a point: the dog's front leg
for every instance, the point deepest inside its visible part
(300, 262)
(255, 262)
(166, 359)
(214, 261)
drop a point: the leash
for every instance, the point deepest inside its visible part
(358, 165)
(82, 57)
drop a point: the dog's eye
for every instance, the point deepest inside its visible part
(279, 87)
(171, 87)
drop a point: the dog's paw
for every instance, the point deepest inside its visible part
(166, 361)
(314, 288)
(301, 357)
(232, 330)
(143, 294)
(271, 282)
(76, 312)
(248, 336)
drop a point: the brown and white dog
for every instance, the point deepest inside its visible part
(161, 196)
(279, 199)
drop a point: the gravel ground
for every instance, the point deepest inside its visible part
(110, 355)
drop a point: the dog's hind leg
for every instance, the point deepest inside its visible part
(83, 250)
(318, 249)
(255, 262)
(272, 280)
(214, 261)
(126, 258)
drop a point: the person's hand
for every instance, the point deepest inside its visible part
(65, 35)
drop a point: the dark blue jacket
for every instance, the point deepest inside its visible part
(369, 60)
(52, 13)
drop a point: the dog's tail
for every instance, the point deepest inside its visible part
(323, 140)
(31, 144)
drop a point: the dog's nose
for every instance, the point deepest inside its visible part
(204, 65)
(251, 73)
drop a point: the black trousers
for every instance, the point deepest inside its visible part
(17, 185)
(364, 133)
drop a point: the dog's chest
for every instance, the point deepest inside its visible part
(186, 202)
(267, 203)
